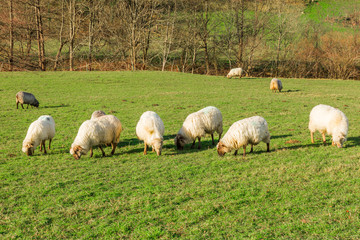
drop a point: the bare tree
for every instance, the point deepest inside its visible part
(169, 23)
(72, 32)
(137, 17)
(239, 8)
(11, 36)
(62, 42)
(40, 35)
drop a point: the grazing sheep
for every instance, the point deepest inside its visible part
(26, 98)
(39, 131)
(103, 130)
(235, 72)
(97, 114)
(206, 121)
(332, 121)
(275, 84)
(150, 129)
(251, 130)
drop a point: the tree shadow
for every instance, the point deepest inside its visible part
(58, 106)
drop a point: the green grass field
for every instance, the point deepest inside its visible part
(299, 190)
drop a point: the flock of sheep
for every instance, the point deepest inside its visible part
(104, 129)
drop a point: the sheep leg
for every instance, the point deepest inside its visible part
(113, 145)
(323, 137)
(22, 105)
(312, 137)
(103, 153)
(50, 143)
(199, 143)
(145, 149)
(17, 105)
(41, 146)
(219, 137)
(212, 138)
(193, 144)
(43, 143)
(91, 152)
(252, 148)
(27, 107)
(268, 147)
(235, 153)
(244, 152)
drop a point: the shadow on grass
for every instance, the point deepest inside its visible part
(280, 136)
(58, 106)
(205, 145)
(288, 91)
(352, 142)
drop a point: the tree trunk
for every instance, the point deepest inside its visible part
(239, 21)
(71, 33)
(11, 36)
(91, 33)
(62, 43)
(40, 36)
(205, 38)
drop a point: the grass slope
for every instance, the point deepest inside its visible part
(298, 190)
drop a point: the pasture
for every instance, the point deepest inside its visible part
(298, 190)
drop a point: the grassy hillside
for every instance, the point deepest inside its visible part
(298, 190)
(335, 15)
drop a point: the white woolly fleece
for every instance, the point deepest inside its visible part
(235, 72)
(103, 130)
(150, 129)
(41, 129)
(326, 119)
(206, 121)
(251, 130)
(275, 84)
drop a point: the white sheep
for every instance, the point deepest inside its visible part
(235, 72)
(206, 121)
(150, 129)
(97, 114)
(326, 119)
(275, 84)
(103, 130)
(251, 130)
(39, 131)
(26, 98)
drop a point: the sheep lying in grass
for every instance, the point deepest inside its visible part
(251, 130)
(150, 129)
(326, 119)
(276, 84)
(26, 98)
(97, 114)
(39, 131)
(103, 130)
(235, 72)
(206, 121)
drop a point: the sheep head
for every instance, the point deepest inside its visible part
(222, 149)
(28, 149)
(339, 141)
(76, 151)
(158, 143)
(36, 104)
(179, 142)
